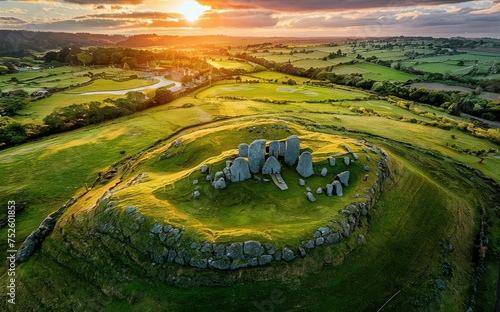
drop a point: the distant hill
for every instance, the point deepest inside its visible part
(19, 42)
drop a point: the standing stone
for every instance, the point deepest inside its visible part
(347, 161)
(347, 148)
(228, 164)
(331, 160)
(274, 147)
(324, 171)
(271, 166)
(292, 150)
(282, 149)
(256, 155)
(220, 184)
(355, 156)
(204, 169)
(310, 197)
(338, 188)
(305, 166)
(329, 190)
(240, 170)
(243, 150)
(343, 177)
(319, 191)
(302, 182)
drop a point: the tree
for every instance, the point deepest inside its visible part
(130, 61)
(85, 58)
(14, 133)
(163, 96)
(14, 102)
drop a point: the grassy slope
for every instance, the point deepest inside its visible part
(110, 85)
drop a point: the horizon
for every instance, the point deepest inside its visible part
(258, 18)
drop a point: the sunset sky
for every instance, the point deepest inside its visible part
(257, 17)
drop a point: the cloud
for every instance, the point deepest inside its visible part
(111, 2)
(238, 19)
(132, 15)
(493, 9)
(321, 5)
(11, 21)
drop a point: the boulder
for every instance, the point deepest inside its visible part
(287, 254)
(243, 150)
(196, 194)
(329, 190)
(355, 156)
(310, 197)
(308, 189)
(324, 171)
(265, 259)
(302, 252)
(253, 249)
(366, 168)
(274, 148)
(204, 169)
(240, 170)
(227, 173)
(208, 178)
(347, 161)
(282, 149)
(310, 244)
(207, 247)
(331, 160)
(235, 251)
(320, 241)
(343, 177)
(198, 263)
(292, 150)
(338, 188)
(130, 210)
(324, 230)
(220, 264)
(219, 251)
(218, 175)
(305, 166)
(271, 166)
(220, 184)
(302, 182)
(256, 155)
(319, 191)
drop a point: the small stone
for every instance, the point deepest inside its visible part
(130, 210)
(193, 245)
(366, 168)
(319, 191)
(302, 182)
(270, 249)
(220, 264)
(324, 171)
(361, 239)
(310, 244)
(308, 189)
(355, 156)
(310, 197)
(331, 160)
(195, 182)
(368, 158)
(196, 194)
(204, 169)
(243, 150)
(440, 284)
(324, 230)
(265, 259)
(320, 241)
(209, 178)
(347, 161)
(198, 263)
(156, 229)
(302, 252)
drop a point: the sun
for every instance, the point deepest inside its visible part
(192, 10)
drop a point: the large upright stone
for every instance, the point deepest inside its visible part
(256, 155)
(329, 190)
(305, 166)
(243, 150)
(271, 166)
(343, 177)
(274, 148)
(331, 160)
(240, 170)
(282, 149)
(338, 188)
(324, 172)
(292, 150)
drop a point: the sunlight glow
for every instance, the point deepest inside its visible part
(192, 10)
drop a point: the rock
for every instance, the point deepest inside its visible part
(207, 248)
(329, 190)
(317, 234)
(219, 251)
(156, 229)
(282, 149)
(347, 148)
(332, 238)
(171, 255)
(368, 158)
(324, 230)
(355, 156)
(195, 182)
(274, 148)
(193, 245)
(228, 164)
(366, 177)
(167, 228)
(361, 239)
(338, 188)
(310, 197)
(324, 171)
(305, 166)
(277, 255)
(208, 178)
(343, 177)
(270, 249)
(130, 210)
(196, 194)
(310, 244)
(331, 160)
(302, 252)
(252, 249)
(256, 157)
(308, 189)
(256, 178)
(319, 191)
(218, 175)
(320, 241)
(221, 264)
(440, 284)
(243, 150)
(266, 180)
(227, 173)
(198, 263)
(271, 166)
(220, 184)
(240, 170)
(347, 161)
(179, 260)
(292, 150)
(235, 251)
(302, 182)
(366, 168)
(265, 259)
(204, 169)
(287, 255)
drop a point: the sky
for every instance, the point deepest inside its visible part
(281, 18)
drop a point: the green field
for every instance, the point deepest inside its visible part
(224, 62)
(297, 93)
(100, 85)
(381, 73)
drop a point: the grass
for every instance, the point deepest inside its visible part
(224, 62)
(382, 73)
(264, 91)
(110, 85)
